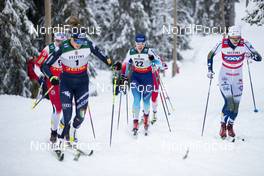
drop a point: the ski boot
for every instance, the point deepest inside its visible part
(135, 127)
(154, 119)
(146, 125)
(222, 132)
(230, 130)
(53, 136)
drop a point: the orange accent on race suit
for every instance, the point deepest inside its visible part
(74, 70)
(55, 71)
(141, 70)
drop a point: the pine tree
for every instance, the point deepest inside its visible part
(16, 46)
(255, 12)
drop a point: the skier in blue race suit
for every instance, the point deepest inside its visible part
(139, 63)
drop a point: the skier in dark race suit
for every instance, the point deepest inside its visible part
(74, 81)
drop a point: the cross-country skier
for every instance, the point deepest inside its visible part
(233, 51)
(54, 94)
(140, 61)
(74, 80)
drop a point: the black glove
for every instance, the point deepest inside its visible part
(54, 80)
(117, 65)
(151, 57)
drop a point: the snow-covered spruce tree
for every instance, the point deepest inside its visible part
(119, 29)
(161, 15)
(255, 12)
(16, 46)
(208, 12)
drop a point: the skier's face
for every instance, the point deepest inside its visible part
(235, 40)
(58, 42)
(140, 46)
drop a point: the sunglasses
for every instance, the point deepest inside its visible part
(79, 41)
(140, 43)
(235, 38)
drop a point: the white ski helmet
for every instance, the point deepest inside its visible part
(59, 36)
(234, 31)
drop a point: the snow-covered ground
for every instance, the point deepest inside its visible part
(160, 153)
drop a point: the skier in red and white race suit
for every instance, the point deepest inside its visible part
(54, 94)
(234, 50)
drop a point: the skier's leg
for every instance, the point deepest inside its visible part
(154, 96)
(147, 93)
(66, 96)
(81, 94)
(54, 96)
(226, 91)
(237, 88)
(136, 92)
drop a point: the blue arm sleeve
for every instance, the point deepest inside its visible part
(48, 63)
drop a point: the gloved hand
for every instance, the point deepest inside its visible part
(54, 80)
(151, 57)
(117, 65)
(210, 74)
(121, 83)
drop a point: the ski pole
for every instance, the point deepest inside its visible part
(113, 109)
(39, 91)
(167, 96)
(43, 96)
(251, 85)
(162, 101)
(158, 79)
(119, 109)
(165, 100)
(205, 113)
(91, 120)
(126, 100)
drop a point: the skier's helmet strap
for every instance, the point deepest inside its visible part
(234, 31)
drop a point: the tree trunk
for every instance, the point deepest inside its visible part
(48, 21)
(174, 64)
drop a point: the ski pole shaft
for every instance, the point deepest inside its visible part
(167, 96)
(37, 102)
(127, 106)
(207, 100)
(252, 91)
(113, 109)
(91, 120)
(162, 101)
(165, 100)
(119, 109)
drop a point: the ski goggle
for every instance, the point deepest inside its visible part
(235, 39)
(80, 41)
(140, 43)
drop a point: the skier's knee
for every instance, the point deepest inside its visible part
(79, 118)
